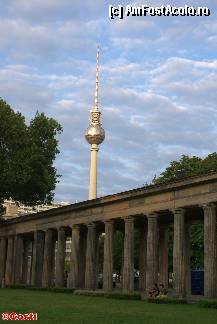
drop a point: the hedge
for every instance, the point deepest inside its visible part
(62, 290)
(207, 303)
(108, 294)
(166, 300)
(123, 295)
(53, 289)
(16, 286)
(94, 293)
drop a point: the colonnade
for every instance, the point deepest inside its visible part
(153, 254)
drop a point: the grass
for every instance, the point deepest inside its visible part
(66, 308)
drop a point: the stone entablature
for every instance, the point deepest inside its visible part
(187, 193)
(149, 209)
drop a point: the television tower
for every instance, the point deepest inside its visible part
(94, 135)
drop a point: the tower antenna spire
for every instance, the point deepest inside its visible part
(96, 98)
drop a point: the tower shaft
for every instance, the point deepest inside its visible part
(93, 171)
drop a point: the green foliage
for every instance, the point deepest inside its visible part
(93, 293)
(27, 153)
(67, 266)
(17, 286)
(53, 289)
(109, 294)
(122, 295)
(166, 300)
(101, 252)
(197, 245)
(36, 288)
(170, 248)
(136, 248)
(13, 148)
(61, 290)
(208, 303)
(118, 242)
(187, 167)
(118, 250)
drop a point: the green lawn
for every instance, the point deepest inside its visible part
(65, 308)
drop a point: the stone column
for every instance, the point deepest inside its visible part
(180, 256)
(188, 257)
(163, 255)
(108, 256)
(122, 263)
(142, 257)
(3, 253)
(210, 251)
(48, 266)
(25, 262)
(60, 262)
(18, 259)
(74, 257)
(97, 259)
(37, 258)
(90, 281)
(9, 261)
(82, 258)
(128, 267)
(152, 251)
(31, 263)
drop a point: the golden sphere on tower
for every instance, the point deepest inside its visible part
(95, 134)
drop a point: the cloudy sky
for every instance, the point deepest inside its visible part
(158, 85)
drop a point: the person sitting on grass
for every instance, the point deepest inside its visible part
(162, 291)
(154, 292)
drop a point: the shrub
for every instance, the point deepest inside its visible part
(108, 294)
(123, 295)
(36, 288)
(18, 286)
(61, 290)
(93, 293)
(166, 300)
(207, 303)
(54, 289)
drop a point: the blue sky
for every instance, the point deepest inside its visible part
(158, 85)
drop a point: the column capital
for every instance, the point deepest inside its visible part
(49, 230)
(179, 211)
(10, 236)
(152, 216)
(39, 231)
(91, 225)
(128, 219)
(108, 221)
(75, 227)
(19, 234)
(211, 205)
(61, 229)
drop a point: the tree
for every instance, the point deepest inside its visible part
(187, 166)
(27, 154)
